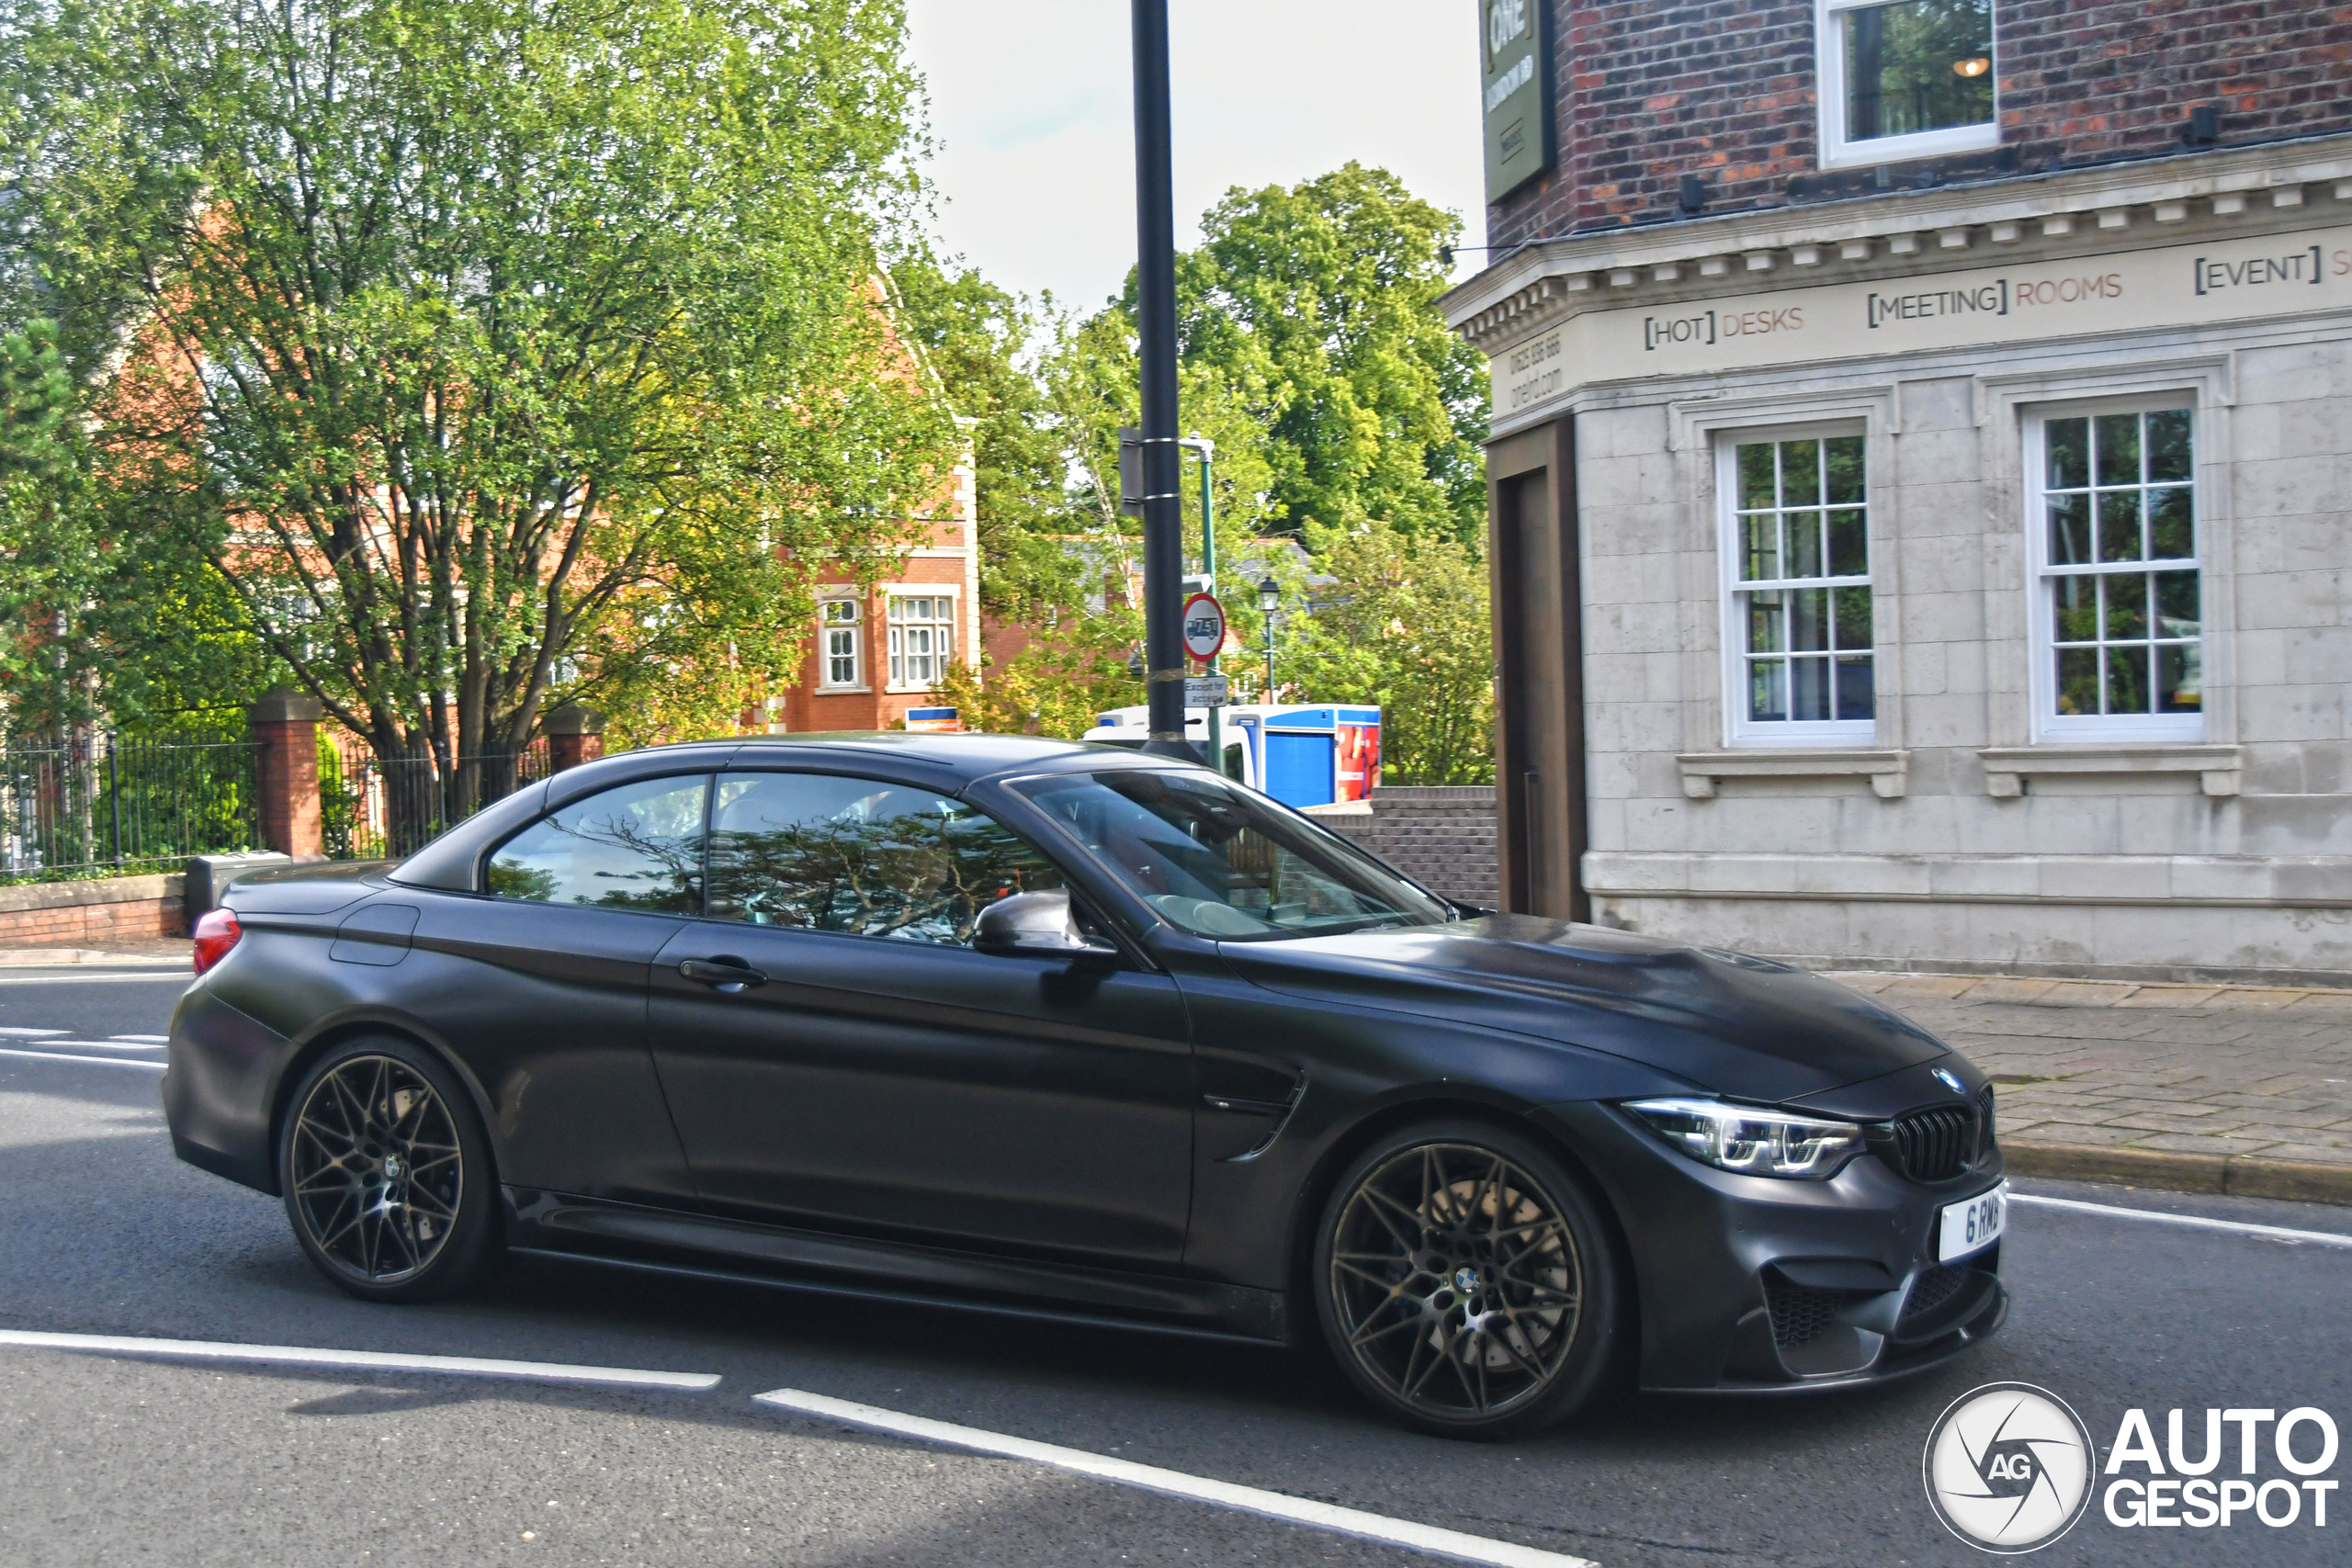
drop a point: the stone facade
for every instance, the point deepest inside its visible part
(1971, 819)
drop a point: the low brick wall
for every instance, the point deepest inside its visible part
(63, 913)
(1442, 834)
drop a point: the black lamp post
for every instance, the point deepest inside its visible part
(1163, 517)
(1269, 599)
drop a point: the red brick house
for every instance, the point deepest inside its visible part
(874, 653)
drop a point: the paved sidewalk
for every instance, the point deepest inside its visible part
(2215, 1088)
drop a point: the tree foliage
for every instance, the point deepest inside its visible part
(1405, 625)
(488, 352)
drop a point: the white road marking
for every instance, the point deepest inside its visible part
(85, 1061)
(1176, 1483)
(30, 1033)
(87, 1045)
(2195, 1222)
(178, 977)
(144, 1039)
(377, 1360)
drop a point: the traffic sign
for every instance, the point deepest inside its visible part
(1205, 692)
(1203, 626)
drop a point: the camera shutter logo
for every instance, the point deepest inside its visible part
(2009, 1468)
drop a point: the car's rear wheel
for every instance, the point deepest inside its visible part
(387, 1173)
(1465, 1281)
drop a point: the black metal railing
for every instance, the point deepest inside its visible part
(376, 808)
(98, 803)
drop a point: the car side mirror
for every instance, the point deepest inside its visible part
(1035, 925)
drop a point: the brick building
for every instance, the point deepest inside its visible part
(1921, 457)
(876, 653)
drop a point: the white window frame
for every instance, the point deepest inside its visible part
(951, 623)
(2049, 724)
(1829, 71)
(1739, 730)
(826, 631)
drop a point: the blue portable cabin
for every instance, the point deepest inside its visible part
(1301, 753)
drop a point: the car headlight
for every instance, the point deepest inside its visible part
(1751, 1141)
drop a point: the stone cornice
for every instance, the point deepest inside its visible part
(2043, 216)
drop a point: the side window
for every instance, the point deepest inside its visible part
(860, 856)
(1797, 531)
(2119, 625)
(637, 846)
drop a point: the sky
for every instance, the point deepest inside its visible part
(1032, 107)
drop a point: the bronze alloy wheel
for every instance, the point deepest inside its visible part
(376, 1174)
(1456, 1283)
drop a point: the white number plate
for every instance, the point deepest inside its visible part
(1974, 1226)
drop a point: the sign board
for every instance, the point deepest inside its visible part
(1131, 471)
(1514, 46)
(934, 721)
(1203, 627)
(2195, 284)
(1205, 691)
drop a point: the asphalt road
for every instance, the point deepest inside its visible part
(112, 1460)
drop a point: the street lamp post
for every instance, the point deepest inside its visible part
(1163, 516)
(1269, 599)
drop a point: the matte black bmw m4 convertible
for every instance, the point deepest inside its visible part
(1056, 1028)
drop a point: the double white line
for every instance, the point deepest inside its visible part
(1363, 1526)
(52, 1046)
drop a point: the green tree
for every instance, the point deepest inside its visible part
(1315, 310)
(981, 343)
(491, 352)
(1406, 624)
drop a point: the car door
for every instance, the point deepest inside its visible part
(838, 1055)
(540, 987)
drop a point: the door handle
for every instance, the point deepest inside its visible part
(722, 973)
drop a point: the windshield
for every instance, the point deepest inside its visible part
(1220, 861)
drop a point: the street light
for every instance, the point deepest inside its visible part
(1269, 599)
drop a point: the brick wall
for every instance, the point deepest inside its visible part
(66, 913)
(1444, 835)
(1724, 89)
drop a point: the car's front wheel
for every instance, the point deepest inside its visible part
(387, 1173)
(1465, 1281)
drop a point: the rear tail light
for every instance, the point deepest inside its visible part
(216, 932)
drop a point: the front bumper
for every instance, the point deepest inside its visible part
(1757, 1284)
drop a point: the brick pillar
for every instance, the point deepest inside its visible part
(575, 735)
(285, 724)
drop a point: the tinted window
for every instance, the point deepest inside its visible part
(855, 855)
(1223, 861)
(635, 847)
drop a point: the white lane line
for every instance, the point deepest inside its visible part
(379, 1361)
(178, 977)
(2195, 1222)
(143, 1039)
(87, 1045)
(1176, 1483)
(30, 1033)
(85, 1061)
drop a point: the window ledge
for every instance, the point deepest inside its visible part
(2008, 767)
(841, 691)
(1889, 771)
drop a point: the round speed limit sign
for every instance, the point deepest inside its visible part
(1203, 626)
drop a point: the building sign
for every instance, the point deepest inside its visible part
(2180, 286)
(1514, 46)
